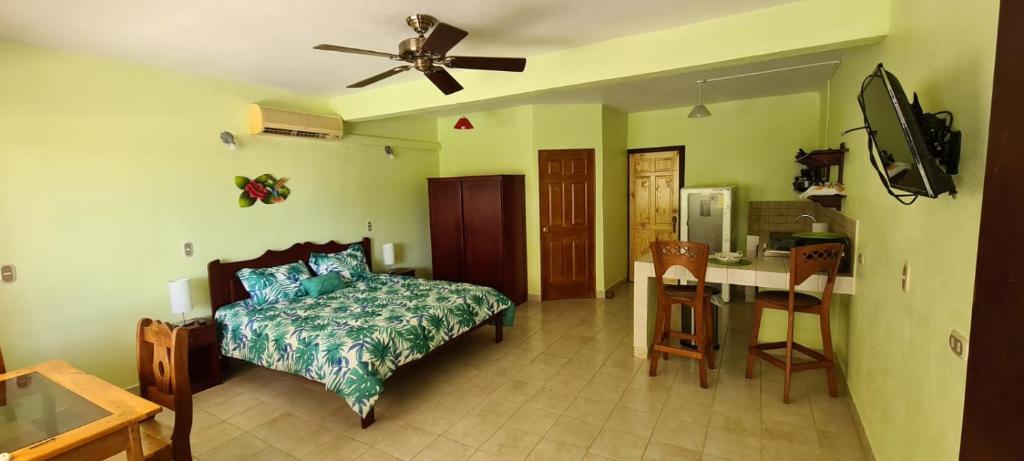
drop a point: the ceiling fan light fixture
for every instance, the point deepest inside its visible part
(700, 110)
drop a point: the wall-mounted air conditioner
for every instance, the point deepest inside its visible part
(270, 120)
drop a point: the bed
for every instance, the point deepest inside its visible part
(353, 339)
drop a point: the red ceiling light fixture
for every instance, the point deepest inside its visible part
(463, 123)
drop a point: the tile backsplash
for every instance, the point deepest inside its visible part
(780, 216)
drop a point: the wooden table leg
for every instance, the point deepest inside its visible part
(134, 443)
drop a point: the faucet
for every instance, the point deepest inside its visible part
(805, 216)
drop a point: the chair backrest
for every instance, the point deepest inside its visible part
(163, 376)
(805, 261)
(692, 256)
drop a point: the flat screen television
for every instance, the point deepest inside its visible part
(918, 152)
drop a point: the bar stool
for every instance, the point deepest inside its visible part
(804, 262)
(693, 257)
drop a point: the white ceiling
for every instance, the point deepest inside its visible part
(270, 41)
(680, 90)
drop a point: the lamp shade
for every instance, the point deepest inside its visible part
(388, 254)
(181, 296)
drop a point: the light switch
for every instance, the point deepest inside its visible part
(187, 249)
(906, 277)
(8, 273)
(958, 344)
(369, 226)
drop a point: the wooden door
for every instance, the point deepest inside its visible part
(446, 234)
(653, 199)
(993, 401)
(482, 225)
(566, 180)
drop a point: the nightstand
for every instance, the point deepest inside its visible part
(403, 271)
(203, 354)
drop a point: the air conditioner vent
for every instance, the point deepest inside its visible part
(280, 122)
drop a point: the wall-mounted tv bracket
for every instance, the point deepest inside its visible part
(940, 136)
(905, 199)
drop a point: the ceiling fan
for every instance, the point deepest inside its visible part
(430, 55)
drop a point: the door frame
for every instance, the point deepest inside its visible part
(992, 397)
(591, 224)
(681, 150)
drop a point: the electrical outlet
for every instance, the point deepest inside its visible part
(369, 226)
(906, 277)
(958, 344)
(8, 273)
(860, 259)
(187, 249)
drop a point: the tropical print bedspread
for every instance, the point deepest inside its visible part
(353, 339)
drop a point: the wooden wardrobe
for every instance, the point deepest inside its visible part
(478, 231)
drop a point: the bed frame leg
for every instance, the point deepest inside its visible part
(367, 420)
(499, 322)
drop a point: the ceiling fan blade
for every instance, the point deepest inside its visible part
(380, 76)
(443, 38)
(345, 49)
(443, 80)
(486, 63)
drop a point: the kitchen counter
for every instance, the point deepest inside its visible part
(763, 272)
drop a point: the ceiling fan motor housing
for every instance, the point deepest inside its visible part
(421, 23)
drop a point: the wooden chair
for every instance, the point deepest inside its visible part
(3, 368)
(163, 379)
(804, 262)
(693, 257)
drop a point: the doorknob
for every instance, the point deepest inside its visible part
(545, 229)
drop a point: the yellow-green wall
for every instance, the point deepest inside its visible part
(748, 144)
(108, 167)
(907, 385)
(616, 196)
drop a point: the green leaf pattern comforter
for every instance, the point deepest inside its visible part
(353, 339)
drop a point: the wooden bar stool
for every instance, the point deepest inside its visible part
(693, 257)
(804, 262)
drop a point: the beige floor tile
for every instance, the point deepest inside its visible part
(566, 382)
(271, 454)
(481, 455)
(519, 391)
(237, 448)
(233, 405)
(464, 399)
(791, 434)
(212, 436)
(293, 434)
(632, 421)
(497, 408)
(731, 445)
(679, 432)
(445, 449)
(511, 444)
(619, 445)
(746, 424)
(374, 454)
(472, 430)
(552, 399)
(842, 446)
(644, 399)
(406, 441)
(603, 390)
(338, 448)
(574, 431)
(772, 450)
(533, 419)
(581, 368)
(552, 450)
(615, 375)
(590, 410)
(255, 415)
(658, 451)
(432, 417)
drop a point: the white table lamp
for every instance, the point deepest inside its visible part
(388, 255)
(181, 297)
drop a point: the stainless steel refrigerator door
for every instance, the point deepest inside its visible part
(704, 218)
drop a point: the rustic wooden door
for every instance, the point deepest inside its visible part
(653, 199)
(481, 220)
(566, 180)
(993, 401)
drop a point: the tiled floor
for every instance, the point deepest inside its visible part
(563, 386)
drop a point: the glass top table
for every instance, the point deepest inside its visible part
(34, 409)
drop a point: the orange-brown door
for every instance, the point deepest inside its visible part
(566, 180)
(654, 201)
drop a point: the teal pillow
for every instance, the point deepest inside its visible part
(274, 284)
(350, 264)
(323, 284)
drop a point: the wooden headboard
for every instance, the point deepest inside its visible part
(226, 288)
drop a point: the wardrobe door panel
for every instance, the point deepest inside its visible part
(482, 223)
(446, 229)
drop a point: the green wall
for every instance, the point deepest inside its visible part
(616, 196)
(507, 141)
(907, 385)
(108, 167)
(748, 144)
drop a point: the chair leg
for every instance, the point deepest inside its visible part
(702, 343)
(659, 332)
(753, 341)
(789, 357)
(709, 331)
(826, 342)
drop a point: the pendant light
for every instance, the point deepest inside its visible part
(700, 110)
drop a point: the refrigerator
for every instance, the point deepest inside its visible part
(707, 218)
